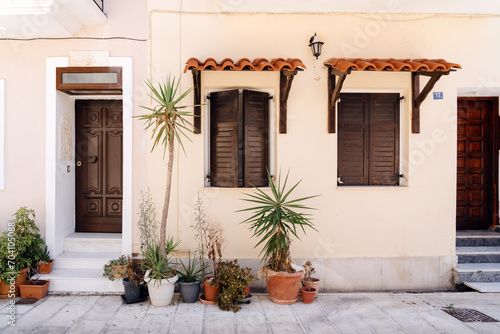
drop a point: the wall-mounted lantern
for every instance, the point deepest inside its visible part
(315, 45)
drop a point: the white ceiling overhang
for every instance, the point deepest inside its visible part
(27, 19)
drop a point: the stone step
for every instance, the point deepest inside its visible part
(484, 287)
(83, 280)
(90, 260)
(93, 242)
(477, 272)
(477, 239)
(478, 254)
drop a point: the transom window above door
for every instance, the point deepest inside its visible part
(368, 139)
(239, 138)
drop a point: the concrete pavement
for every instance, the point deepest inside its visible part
(330, 313)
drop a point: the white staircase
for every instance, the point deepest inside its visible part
(80, 267)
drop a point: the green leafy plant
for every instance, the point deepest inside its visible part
(193, 272)
(148, 224)
(450, 306)
(275, 220)
(232, 280)
(159, 266)
(45, 255)
(199, 229)
(116, 268)
(20, 245)
(168, 121)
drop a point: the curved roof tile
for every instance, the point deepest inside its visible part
(258, 64)
(376, 64)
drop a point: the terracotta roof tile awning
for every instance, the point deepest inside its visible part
(342, 67)
(244, 64)
(406, 65)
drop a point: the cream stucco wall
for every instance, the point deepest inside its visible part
(408, 229)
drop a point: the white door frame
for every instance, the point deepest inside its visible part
(54, 240)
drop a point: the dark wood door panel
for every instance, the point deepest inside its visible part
(99, 184)
(476, 163)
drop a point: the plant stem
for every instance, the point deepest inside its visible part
(163, 226)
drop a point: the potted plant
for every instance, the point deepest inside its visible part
(212, 242)
(233, 282)
(160, 275)
(34, 287)
(20, 249)
(275, 220)
(190, 278)
(133, 283)
(308, 294)
(116, 268)
(308, 281)
(45, 262)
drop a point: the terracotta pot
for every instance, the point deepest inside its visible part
(247, 291)
(312, 284)
(308, 294)
(45, 268)
(34, 289)
(120, 271)
(5, 287)
(283, 287)
(209, 291)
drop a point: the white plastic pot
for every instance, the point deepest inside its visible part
(161, 292)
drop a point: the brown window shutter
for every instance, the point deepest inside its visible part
(353, 114)
(384, 139)
(224, 138)
(256, 138)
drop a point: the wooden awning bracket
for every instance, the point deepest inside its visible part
(286, 78)
(419, 96)
(334, 88)
(197, 100)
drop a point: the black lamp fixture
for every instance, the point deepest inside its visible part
(315, 45)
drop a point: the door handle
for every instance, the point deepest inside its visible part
(92, 159)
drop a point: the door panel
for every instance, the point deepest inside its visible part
(99, 190)
(475, 163)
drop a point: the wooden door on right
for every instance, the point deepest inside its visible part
(476, 161)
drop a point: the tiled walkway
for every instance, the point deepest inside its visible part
(330, 313)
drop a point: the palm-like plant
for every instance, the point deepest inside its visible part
(275, 220)
(169, 123)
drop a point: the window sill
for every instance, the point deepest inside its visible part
(372, 187)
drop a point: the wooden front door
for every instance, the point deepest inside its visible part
(476, 163)
(99, 190)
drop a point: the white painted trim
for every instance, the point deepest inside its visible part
(56, 246)
(272, 130)
(2, 134)
(127, 97)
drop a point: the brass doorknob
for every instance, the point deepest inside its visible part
(92, 159)
(78, 163)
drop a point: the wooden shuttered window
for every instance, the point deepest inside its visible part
(239, 138)
(368, 139)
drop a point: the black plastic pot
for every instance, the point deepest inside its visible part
(189, 291)
(132, 290)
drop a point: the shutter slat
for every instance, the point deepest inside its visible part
(224, 138)
(256, 138)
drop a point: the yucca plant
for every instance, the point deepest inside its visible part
(275, 221)
(169, 123)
